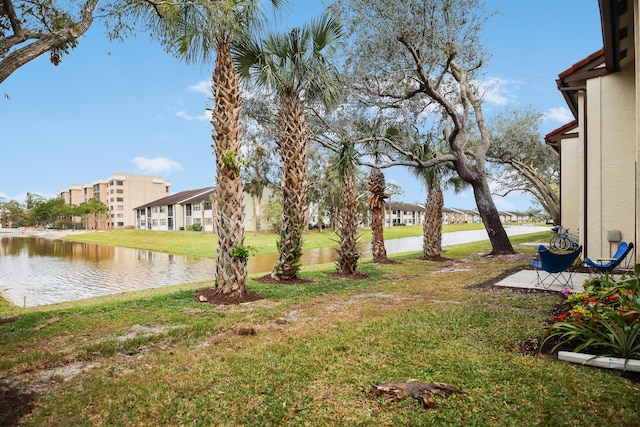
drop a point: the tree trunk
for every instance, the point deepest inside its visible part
(377, 207)
(432, 227)
(292, 141)
(348, 253)
(500, 243)
(231, 267)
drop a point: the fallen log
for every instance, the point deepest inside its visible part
(424, 393)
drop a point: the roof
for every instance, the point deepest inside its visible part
(184, 197)
(616, 18)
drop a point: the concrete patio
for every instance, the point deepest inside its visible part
(529, 279)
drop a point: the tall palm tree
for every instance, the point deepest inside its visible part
(349, 220)
(196, 30)
(295, 66)
(377, 195)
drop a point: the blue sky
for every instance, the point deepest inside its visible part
(129, 107)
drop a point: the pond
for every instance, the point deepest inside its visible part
(36, 271)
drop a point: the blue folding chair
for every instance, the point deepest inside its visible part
(556, 266)
(612, 263)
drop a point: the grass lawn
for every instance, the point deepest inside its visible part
(309, 354)
(205, 244)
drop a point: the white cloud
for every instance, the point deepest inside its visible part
(202, 86)
(558, 114)
(206, 116)
(497, 91)
(156, 166)
(503, 204)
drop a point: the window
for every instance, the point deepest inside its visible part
(120, 216)
(197, 221)
(120, 207)
(196, 207)
(188, 206)
(170, 207)
(121, 224)
(208, 221)
(163, 222)
(155, 209)
(162, 209)
(143, 224)
(120, 199)
(119, 182)
(207, 206)
(119, 191)
(155, 222)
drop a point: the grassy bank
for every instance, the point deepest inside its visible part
(308, 354)
(205, 244)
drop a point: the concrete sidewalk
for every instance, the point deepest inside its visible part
(529, 279)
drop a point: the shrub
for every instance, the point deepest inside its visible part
(604, 319)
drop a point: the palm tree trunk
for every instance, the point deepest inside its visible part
(292, 140)
(376, 206)
(231, 271)
(432, 227)
(348, 253)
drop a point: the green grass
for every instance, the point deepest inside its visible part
(205, 244)
(313, 353)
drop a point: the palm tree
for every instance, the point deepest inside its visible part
(295, 66)
(349, 220)
(436, 178)
(197, 30)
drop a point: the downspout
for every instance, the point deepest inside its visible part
(585, 177)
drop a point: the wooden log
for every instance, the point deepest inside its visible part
(424, 393)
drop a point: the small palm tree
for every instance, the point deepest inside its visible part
(436, 178)
(195, 31)
(295, 66)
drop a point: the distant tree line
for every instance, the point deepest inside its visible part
(38, 211)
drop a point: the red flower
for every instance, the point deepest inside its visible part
(629, 292)
(612, 297)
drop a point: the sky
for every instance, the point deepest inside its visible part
(130, 107)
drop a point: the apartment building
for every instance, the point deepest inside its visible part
(178, 211)
(121, 193)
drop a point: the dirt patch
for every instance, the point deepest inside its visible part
(214, 296)
(385, 261)
(268, 279)
(14, 405)
(434, 258)
(8, 320)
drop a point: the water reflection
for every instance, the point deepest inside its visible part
(47, 271)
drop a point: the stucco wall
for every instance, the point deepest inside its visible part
(611, 153)
(571, 194)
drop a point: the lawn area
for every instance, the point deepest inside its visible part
(309, 354)
(201, 244)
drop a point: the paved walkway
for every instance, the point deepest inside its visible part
(529, 279)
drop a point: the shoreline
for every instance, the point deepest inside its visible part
(38, 232)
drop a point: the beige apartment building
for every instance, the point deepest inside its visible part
(121, 193)
(600, 149)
